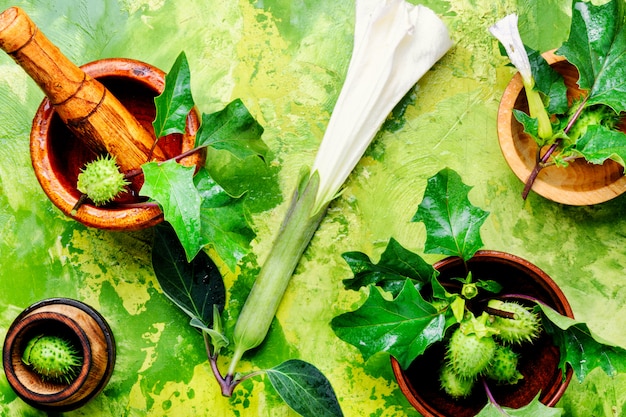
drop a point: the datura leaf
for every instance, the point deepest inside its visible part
(600, 143)
(534, 409)
(549, 82)
(396, 264)
(403, 327)
(175, 102)
(196, 287)
(452, 222)
(580, 348)
(305, 389)
(171, 185)
(232, 129)
(223, 220)
(597, 47)
(530, 124)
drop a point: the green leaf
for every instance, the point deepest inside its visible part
(305, 389)
(530, 124)
(597, 47)
(579, 347)
(171, 185)
(534, 409)
(549, 82)
(218, 339)
(196, 286)
(452, 222)
(224, 221)
(396, 264)
(489, 285)
(600, 143)
(403, 327)
(233, 129)
(175, 102)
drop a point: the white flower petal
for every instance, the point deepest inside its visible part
(395, 44)
(507, 32)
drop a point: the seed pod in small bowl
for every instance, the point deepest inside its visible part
(58, 354)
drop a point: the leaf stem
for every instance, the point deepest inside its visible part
(522, 297)
(492, 400)
(542, 161)
(499, 313)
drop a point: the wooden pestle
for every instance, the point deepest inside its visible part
(89, 110)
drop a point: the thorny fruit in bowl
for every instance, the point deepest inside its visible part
(52, 358)
(101, 180)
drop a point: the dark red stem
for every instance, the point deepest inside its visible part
(541, 161)
(228, 383)
(499, 313)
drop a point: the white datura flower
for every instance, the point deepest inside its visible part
(395, 44)
(507, 32)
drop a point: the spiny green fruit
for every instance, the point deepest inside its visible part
(593, 115)
(524, 327)
(453, 384)
(503, 367)
(101, 180)
(52, 358)
(469, 354)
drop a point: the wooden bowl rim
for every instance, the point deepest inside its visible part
(96, 329)
(564, 307)
(107, 218)
(522, 171)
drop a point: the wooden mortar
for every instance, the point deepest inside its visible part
(72, 320)
(90, 111)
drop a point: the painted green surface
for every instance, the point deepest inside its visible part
(286, 60)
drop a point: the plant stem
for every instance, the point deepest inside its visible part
(296, 231)
(542, 162)
(499, 313)
(492, 400)
(522, 297)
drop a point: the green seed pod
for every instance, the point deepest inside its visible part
(52, 358)
(503, 367)
(453, 384)
(101, 180)
(469, 354)
(524, 327)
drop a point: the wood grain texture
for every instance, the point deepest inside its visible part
(72, 320)
(85, 105)
(581, 183)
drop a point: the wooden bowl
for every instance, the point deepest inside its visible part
(578, 184)
(539, 361)
(75, 322)
(58, 155)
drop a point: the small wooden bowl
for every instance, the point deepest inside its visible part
(58, 155)
(75, 322)
(580, 183)
(539, 361)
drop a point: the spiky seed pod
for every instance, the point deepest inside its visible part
(453, 384)
(101, 180)
(503, 367)
(469, 354)
(52, 358)
(524, 327)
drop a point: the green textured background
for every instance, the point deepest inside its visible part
(286, 60)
